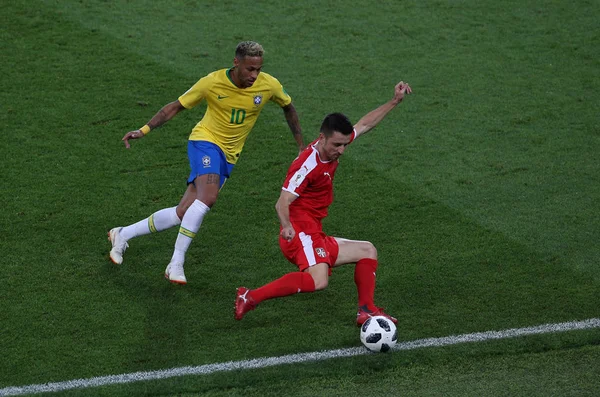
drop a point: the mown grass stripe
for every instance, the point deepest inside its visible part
(293, 358)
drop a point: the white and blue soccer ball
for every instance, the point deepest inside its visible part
(378, 334)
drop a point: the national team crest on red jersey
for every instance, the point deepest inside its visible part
(321, 252)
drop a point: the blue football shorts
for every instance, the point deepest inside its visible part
(207, 158)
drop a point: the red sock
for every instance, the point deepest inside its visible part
(364, 277)
(290, 284)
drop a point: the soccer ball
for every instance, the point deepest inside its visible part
(378, 334)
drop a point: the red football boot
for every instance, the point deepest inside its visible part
(243, 303)
(364, 314)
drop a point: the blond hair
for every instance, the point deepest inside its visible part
(249, 49)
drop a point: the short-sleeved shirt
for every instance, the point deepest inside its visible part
(311, 180)
(231, 111)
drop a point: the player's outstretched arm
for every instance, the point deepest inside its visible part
(371, 119)
(291, 116)
(165, 114)
(283, 212)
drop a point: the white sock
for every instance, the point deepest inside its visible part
(190, 224)
(157, 222)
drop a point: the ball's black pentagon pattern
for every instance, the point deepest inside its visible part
(385, 347)
(366, 325)
(373, 338)
(383, 323)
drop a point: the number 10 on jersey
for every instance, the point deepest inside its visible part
(237, 116)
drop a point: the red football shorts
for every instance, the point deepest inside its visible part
(309, 247)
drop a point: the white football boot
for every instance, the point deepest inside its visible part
(174, 273)
(119, 245)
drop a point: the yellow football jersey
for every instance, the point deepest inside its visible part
(231, 111)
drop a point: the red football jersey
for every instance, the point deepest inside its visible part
(311, 179)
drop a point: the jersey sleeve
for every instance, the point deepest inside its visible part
(299, 173)
(197, 93)
(279, 94)
(295, 181)
(353, 136)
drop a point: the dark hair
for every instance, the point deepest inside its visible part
(336, 122)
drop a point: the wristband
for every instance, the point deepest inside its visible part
(145, 129)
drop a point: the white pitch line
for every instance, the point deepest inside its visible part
(293, 358)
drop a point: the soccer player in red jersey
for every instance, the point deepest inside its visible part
(305, 198)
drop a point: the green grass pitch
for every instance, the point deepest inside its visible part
(481, 192)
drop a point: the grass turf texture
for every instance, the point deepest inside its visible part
(480, 191)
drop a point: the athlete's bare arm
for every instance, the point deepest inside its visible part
(293, 121)
(165, 114)
(371, 119)
(283, 212)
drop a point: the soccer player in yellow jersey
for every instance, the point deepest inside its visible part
(235, 98)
